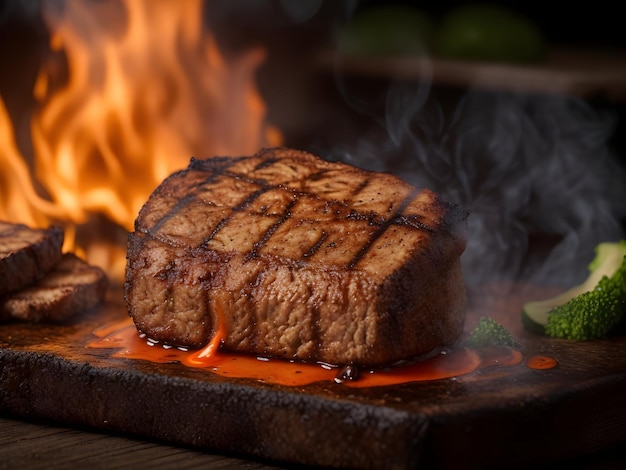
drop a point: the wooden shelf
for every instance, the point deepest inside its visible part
(583, 73)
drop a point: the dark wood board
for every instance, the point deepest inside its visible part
(492, 416)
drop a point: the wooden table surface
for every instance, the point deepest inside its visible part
(40, 445)
(30, 445)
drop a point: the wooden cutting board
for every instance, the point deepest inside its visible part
(492, 416)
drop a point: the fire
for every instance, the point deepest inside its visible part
(128, 96)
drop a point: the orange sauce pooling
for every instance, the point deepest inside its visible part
(128, 343)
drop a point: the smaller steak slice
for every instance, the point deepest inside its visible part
(298, 258)
(71, 287)
(26, 254)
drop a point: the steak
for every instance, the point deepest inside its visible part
(296, 257)
(26, 254)
(72, 286)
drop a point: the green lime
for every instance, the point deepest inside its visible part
(490, 33)
(388, 30)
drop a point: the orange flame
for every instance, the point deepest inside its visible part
(147, 88)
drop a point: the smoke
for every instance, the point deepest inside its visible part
(536, 172)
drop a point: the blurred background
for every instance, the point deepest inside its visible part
(512, 110)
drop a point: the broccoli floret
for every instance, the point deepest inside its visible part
(489, 332)
(607, 262)
(594, 314)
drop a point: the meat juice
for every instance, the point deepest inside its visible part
(126, 342)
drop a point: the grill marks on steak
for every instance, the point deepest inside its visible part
(304, 256)
(271, 205)
(383, 226)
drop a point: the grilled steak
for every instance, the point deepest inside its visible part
(297, 258)
(26, 254)
(72, 286)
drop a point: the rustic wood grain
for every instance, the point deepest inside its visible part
(480, 419)
(39, 445)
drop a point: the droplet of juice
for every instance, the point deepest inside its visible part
(541, 362)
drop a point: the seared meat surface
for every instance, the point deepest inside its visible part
(38, 282)
(298, 258)
(26, 254)
(72, 286)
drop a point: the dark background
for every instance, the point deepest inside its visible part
(304, 101)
